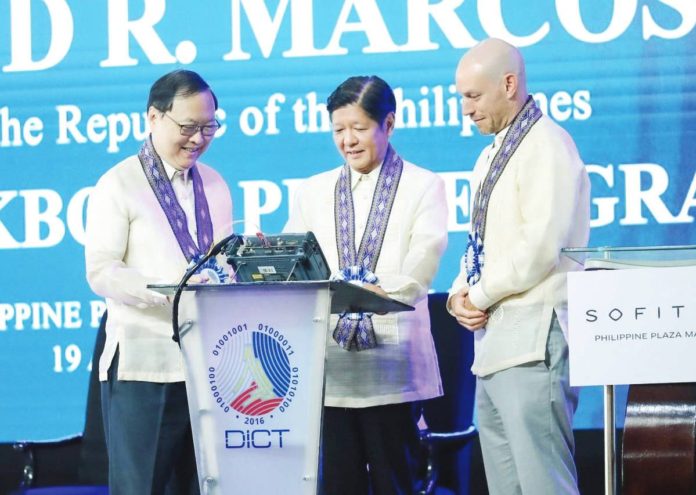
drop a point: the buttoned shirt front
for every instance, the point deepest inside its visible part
(363, 187)
(183, 190)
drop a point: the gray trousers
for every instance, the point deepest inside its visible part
(525, 417)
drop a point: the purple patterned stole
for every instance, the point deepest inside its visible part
(520, 126)
(356, 329)
(162, 187)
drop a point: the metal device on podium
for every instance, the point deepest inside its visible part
(632, 322)
(254, 354)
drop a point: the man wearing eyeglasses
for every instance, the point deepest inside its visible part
(148, 218)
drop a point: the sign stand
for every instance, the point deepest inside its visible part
(607, 258)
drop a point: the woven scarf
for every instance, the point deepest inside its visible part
(162, 187)
(355, 330)
(520, 126)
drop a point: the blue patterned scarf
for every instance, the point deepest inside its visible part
(520, 126)
(355, 330)
(162, 187)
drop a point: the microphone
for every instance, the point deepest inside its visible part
(213, 251)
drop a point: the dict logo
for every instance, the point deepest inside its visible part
(252, 373)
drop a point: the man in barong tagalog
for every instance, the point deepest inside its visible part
(148, 218)
(381, 222)
(530, 196)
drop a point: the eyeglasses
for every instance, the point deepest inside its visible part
(191, 129)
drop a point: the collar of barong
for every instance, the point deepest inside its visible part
(162, 187)
(519, 127)
(355, 330)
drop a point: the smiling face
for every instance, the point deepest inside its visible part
(360, 140)
(182, 152)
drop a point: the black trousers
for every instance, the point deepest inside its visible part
(372, 450)
(148, 437)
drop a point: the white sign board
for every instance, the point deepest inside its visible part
(632, 326)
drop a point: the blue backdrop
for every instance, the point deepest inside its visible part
(618, 75)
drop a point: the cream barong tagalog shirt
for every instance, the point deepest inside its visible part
(130, 244)
(403, 367)
(539, 205)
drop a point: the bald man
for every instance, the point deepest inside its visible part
(530, 199)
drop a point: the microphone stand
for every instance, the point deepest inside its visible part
(214, 251)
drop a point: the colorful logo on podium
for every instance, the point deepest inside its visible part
(253, 374)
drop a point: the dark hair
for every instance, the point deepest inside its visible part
(176, 83)
(371, 93)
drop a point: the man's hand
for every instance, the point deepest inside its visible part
(377, 290)
(150, 298)
(196, 278)
(467, 315)
(199, 278)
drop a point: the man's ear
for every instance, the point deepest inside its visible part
(152, 114)
(511, 85)
(389, 122)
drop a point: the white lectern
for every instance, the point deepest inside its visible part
(254, 358)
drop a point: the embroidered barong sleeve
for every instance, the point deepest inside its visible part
(105, 247)
(296, 220)
(549, 182)
(426, 244)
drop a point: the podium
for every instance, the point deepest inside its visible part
(629, 326)
(254, 357)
